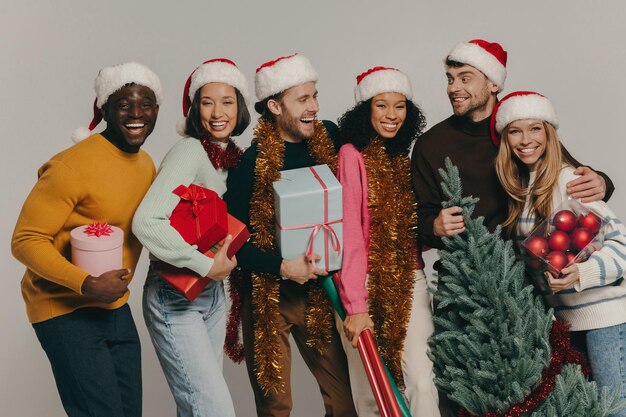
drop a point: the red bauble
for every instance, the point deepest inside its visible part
(590, 222)
(559, 240)
(564, 220)
(581, 238)
(570, 257)
(537, 246)
(557, 260)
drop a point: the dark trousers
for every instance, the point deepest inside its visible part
(96, 361)
(330, 369)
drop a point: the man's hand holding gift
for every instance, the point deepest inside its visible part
(108, 287)
(301, 269)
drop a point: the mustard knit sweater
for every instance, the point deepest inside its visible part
(91, 181)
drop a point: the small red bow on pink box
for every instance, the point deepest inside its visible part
(98, 229)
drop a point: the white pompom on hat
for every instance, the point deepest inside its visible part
(280, 74)
(218, 70)
(521, 105)
(380, 80)
(488, 57)
(111, 79)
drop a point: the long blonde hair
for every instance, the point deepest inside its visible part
(514, 177)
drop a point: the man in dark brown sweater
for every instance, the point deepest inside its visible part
(476, 71)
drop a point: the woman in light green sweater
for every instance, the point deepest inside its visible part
(188, 336)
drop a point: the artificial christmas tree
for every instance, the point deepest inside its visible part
(496, 350)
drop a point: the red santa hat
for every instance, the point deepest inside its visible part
(218, 70)
(488, 57)
(112, 78)
(521, 105)
(379, 80)
(281, 74)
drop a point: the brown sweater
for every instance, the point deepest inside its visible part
(470, 148)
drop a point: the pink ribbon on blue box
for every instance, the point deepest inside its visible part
(326, 226)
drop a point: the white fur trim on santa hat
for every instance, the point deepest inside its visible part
(218, 72)
(472, 54)
(282, 74)
(181, 126)
(387, 80)
(110, 79)
(80, 133)
(522, 107)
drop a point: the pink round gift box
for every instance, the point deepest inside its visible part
(94, 254)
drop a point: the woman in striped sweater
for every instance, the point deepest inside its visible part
(590, 295)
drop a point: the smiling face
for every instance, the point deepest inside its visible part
(131, 113)
(218, 110)
(527, 140)
(388, 112)
(296, 112)
(471, 93)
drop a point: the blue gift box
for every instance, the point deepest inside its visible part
(309, 215)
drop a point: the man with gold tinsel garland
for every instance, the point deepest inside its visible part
(275, 297)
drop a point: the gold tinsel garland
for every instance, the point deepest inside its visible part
(392, 251)
(266, 287)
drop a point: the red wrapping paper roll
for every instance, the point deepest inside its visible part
(371, 376)
(384, 387)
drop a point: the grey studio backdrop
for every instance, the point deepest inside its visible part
(572, 51)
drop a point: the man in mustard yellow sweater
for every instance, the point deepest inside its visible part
(83, 322)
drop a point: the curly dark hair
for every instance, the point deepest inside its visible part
(194, 127)
(355, 127)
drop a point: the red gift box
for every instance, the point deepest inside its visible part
(240, 235)
(188, 282)
(200, 217)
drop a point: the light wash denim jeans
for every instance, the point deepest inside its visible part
(607, 357)
(189, 339)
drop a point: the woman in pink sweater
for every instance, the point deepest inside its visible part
(382, 284)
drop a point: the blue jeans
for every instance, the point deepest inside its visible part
(607, 357)
(188, 338)
(95, 356)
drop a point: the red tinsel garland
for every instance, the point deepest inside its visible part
(562, 354)
(232, 345)
(222, 158)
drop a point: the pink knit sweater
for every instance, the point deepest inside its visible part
(356, 230)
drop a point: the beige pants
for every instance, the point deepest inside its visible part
(417, 368)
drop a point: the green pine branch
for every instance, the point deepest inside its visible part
(574, 396)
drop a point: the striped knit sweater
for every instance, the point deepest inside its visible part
(598, 300)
